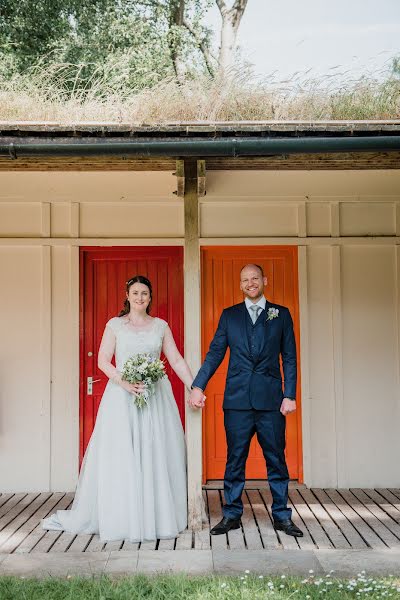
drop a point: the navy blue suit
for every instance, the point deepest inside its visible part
(253, 396)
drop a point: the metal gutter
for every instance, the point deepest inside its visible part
(198, 147)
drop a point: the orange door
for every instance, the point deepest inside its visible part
(104, 272)
(220, 288)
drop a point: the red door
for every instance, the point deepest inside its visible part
(220, 288)
(103, 276)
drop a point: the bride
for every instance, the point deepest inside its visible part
(133, 480)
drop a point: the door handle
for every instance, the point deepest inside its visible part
(89, 386)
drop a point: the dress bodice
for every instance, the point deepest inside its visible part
(130, 342)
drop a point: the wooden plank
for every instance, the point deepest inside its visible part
(388, 494)
(366, 532)
(345, 525)
(202, 537)
(169, 544)
(10, 502)
(192, 325)
(267, 531)
(215, 512)
(395, 492)
(148, 545)
(184, 540)
(384, 503)
(306, 542)
(201, 540)
(381, 515)
(288, 542)
(389, 497)
(22, 517)
(113, 546)
(63, 542)
(332, 530)
(95, 545)
(51, 536)
(31, 524)
(39, 533)
(250, 529)
(80, 543)
(384, 534)
(3, 499)
(47, 541)
(316, 531)
(236, 539)
(128, 546)
(235, 536)
(22, 504)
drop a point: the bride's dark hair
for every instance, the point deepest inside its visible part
(131, 281)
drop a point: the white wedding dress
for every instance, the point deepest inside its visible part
(132, 484)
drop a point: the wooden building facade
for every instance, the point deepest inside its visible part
(325, 224)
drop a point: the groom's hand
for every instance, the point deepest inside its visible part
(196, 398)
(288, 406)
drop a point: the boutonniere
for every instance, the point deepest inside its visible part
(272, 313)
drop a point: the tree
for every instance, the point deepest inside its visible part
(231, 18)
(131, 43)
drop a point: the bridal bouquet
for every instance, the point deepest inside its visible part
(146, 369)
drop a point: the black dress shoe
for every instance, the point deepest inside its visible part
(225, 525)
(288, 527)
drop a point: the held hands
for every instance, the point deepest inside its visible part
(288, 406)
(196, 398)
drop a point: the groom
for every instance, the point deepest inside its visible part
(257, 333)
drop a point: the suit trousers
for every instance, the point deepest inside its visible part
(240, 426)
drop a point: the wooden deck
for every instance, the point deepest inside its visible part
(330, 519)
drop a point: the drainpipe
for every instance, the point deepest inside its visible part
(196, 147)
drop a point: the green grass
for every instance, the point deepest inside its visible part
(246, 587)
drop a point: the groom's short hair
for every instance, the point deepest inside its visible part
(259, 267)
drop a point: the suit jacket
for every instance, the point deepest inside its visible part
(253, 381)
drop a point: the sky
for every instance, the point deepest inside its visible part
(347, 38)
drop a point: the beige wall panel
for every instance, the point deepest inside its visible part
(248, 219)
(87, 187)
(318, 215)
(20, 219)
(131, 220)
(24, 364)
(299, 183)
(367, 218)
(370, 427)
(65, 369)
(320, 360)
(61, 219)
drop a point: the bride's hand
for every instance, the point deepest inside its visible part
(133, 388)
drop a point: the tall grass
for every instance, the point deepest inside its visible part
(56, 93)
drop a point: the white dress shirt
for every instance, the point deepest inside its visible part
(262, 303)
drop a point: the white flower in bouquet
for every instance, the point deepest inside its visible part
(146, 369)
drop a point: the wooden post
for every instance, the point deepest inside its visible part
(192, 338)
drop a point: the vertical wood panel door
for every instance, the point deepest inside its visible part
(103, 276)
(220, 288)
